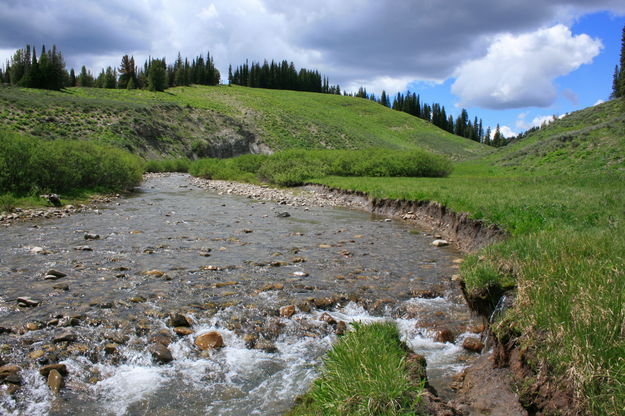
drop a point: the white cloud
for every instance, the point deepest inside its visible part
(518, 71)
(598, 102)
(505, 131)
(537, 121)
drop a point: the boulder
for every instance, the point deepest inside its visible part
(46, 369)
(440, 243)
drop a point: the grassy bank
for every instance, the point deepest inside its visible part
(365, 373)
(295, 167)
(30, 166)
(566, 254)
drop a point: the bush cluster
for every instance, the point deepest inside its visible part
(168, 165)
(30, 165)
(295, 167)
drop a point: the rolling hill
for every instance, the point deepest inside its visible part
(221, 121)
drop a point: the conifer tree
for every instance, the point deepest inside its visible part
(157, 75)
(72, 78)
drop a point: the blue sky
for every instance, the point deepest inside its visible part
(589, 83)
(511, 62)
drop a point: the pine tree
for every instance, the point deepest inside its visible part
(157, 75)
(72, 78)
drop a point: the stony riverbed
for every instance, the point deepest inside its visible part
(195, 297)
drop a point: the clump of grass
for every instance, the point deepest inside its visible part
(365, 373)
(168, 165)
(7, 203)
(29, 165)
(296, 167)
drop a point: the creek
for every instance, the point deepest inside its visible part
(228, 263)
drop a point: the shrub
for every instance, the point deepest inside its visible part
(29, 165)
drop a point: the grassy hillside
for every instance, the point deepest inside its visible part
(560, 192)
(221, 121)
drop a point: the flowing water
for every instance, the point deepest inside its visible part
(229, 264)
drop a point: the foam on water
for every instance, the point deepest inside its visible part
(39, 397)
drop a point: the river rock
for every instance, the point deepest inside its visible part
(66, 336)
(39, 250)
(341, 328)
(55, 381)
(265, 345)
(90, 236)
(283, 214)
(83, 248)
(110, 348)
(473, 344)
(183, 331)
(61, 286)
(326, 317)
(46, 369)
(154, 272)
(444, 335)
(209, 340)
(7, 370)
(27, 301)
(177, 319)
(161, 353)
(287, 311)
(440, 243)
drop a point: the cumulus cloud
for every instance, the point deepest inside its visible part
(523, 124)
(354, 42)
(519, 71)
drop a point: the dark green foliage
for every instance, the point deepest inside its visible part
(280, 76)
(618, 79)
(295, 167)
(31, 165)
(47, 73)
(85, 79)
(157, 75)
(168, 165)
(127, 73)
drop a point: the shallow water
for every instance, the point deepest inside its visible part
(229, 263)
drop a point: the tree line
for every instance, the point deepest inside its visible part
(618, 79)
(49, 72)
(280, 76)
(436, 114)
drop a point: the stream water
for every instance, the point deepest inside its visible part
(229, 264)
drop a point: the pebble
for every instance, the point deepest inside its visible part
(300, 274)
(179, 320)
(66, 336)
(283, 214)
(83, 248)
(183, 331)
(440, 243)
(90, 236)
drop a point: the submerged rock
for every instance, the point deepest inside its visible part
(440, 243)
(27, 301)
(179, 320)
(161, 353)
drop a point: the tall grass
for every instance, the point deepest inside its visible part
(29, 165)
(295, 167)
(566, 256)
(365, 373)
